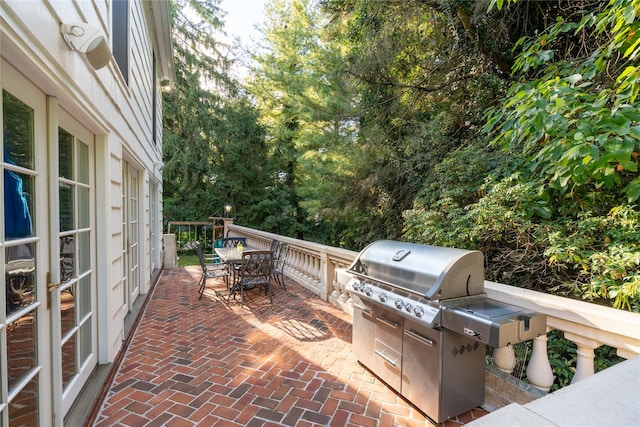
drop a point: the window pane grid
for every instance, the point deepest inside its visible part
(75, 254)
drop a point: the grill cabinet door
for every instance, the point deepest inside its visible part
(363, 333)
(445, 378)
(422, 368)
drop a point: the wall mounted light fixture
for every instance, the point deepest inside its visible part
(89, 40)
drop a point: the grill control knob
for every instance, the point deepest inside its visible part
(399, 303)
(382, 296)
(418, 311)
(408, 307)
(368, 291)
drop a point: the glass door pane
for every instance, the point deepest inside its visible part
(76, 254)
(19, 326)
(134, 238)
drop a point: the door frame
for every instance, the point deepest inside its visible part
(25, 91)
(53, 404)
(78, 131)
(131, 251)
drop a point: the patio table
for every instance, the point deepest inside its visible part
(233, 258)
(232, 255)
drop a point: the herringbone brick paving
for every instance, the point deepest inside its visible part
(211, 363)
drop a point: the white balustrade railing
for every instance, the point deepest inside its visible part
(321, 269)
(588, 325)
(310, 264)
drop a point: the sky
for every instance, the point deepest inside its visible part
(240, 20)
(242, 16)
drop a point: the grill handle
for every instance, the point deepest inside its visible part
(388, 322)
(364, 309)
(413, 334)
(386, 359)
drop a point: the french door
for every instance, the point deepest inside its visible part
(75, 339)
(48, 330)
(131, 233)
(25, 369)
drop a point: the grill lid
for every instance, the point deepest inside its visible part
(431, 271)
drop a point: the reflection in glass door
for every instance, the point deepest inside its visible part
(131, 238)
(134, 238)
(20, 359)
(76, 300)
(125, 242)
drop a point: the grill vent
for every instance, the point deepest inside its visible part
(469, 348)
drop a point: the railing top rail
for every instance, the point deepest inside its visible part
(189, 223)
(311, 247)
(579, 312)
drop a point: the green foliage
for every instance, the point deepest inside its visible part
(191, 112)
(562, 355)
(574, 117)
(214, 148)
(420, 87)
(502, 223)
(368, 120)
(593, 254)
(602, 254)
(305, 106)
(578, 119)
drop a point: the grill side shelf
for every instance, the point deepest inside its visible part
(492, 322)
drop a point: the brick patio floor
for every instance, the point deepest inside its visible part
(210, 363)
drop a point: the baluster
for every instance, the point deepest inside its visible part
(312, 271)
(295, 264)
(344, 295)
(317, 271)
(336, 293)
(299, 264)
(341, 278)
(505, 358)
(325, 274)
(308, 268)
(539, 371)
(305, 266)
(586, 356)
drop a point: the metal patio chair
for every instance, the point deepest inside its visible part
(279, 259)
(209, 271)
(274, 245)
(253, 272)
(232, 242)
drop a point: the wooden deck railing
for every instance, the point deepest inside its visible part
(321, 269)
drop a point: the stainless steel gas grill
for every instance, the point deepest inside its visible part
(422, 322)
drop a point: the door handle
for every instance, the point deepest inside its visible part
(387, 359)
(417, 336)
(388, 322)
(364, 309)
(51, 287)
